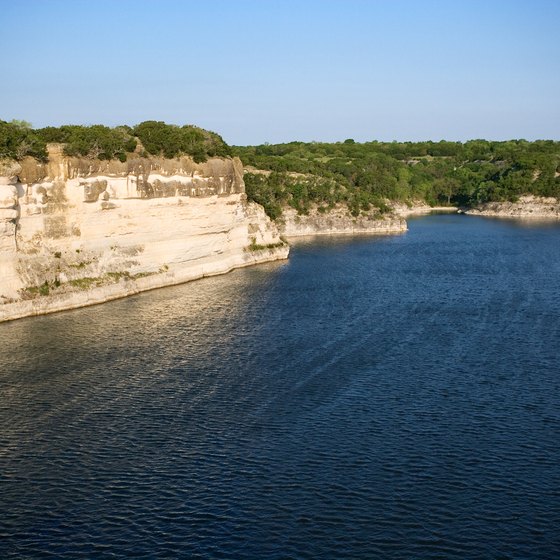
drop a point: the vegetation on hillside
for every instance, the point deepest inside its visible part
(363, 175)
(299, 174)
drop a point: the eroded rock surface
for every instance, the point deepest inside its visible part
(338, 221)
(75, 232)
(526, 207)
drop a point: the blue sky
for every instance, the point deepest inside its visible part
(273, 71)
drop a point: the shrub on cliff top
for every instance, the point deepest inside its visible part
(18, 140)
(168, 140)
(95, 142)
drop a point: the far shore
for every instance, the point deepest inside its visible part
(422, 209)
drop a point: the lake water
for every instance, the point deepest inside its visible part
(373, 397)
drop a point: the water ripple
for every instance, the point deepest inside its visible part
(372, 398)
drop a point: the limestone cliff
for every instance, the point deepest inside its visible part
(417, 208)
(75, 231)
(337, 221)
(535, 207)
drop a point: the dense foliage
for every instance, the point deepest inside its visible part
(365, 174)
(360, 175)
(18, 140)
(95, 142)
(169, 140)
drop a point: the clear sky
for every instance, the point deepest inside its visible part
(278, 70)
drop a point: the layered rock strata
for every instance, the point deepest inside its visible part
(337, 221)
(76, 232)
(536, 207)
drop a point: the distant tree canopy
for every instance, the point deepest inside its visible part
(18, 140)
(362, 175)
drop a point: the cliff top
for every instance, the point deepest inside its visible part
(19, 140)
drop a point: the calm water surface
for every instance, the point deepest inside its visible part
(392, 397)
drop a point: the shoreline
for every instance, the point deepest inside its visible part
(421, 209)
(337, 221)
(294, 227)
(44, 305)
(528, 207)
(81, 232)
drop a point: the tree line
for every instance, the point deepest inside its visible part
(365, 175)
(301, 174)
(18, 140)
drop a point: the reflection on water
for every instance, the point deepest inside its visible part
(139, 323)
(391, 397)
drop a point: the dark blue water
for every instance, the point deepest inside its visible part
(390, 397)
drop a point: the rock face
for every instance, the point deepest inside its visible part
(76, 232)
(418, 208)
(9, 213)
(526, 207)
(337, 221)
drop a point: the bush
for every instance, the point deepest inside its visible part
(167, 140)
(95, 142)
(18, 140)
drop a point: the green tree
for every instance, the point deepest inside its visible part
(18, 140)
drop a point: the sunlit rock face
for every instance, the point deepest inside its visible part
(338, 221)
(9, 213)
(529, 206)
(75, 231)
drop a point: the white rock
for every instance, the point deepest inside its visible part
(155, 241)
(8, 196)
(8, 214)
